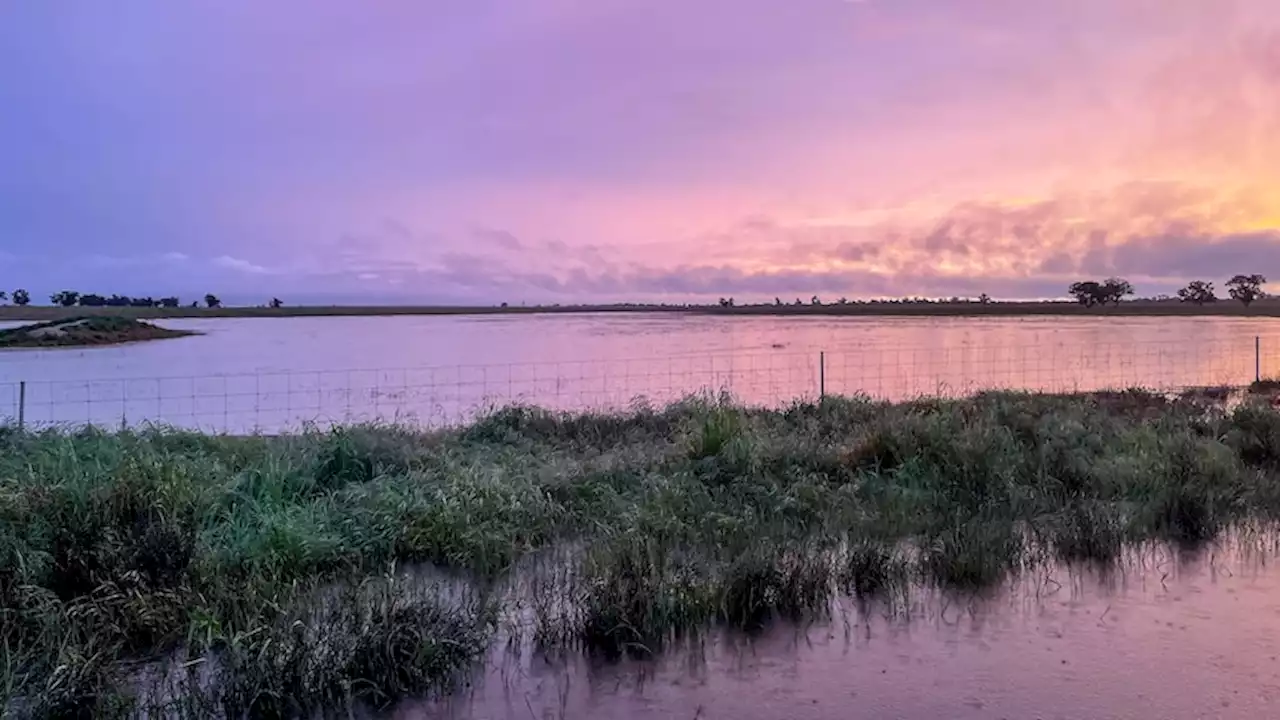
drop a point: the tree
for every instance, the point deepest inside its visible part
(66, 298)
(169, 302)
(3, 296)
(1115, 289)
(985, 299)
(777, 301)
(1086, 293)
(92, 300)
(815, 301)
(1246, 288)
(1090, 293)
(1198, 292)
(21, 297)
(843, 301)
(212, 301)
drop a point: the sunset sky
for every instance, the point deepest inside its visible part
(460, 151)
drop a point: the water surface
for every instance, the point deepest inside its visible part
(273, 373)
(1178, 635)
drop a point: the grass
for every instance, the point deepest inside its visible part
(85, 330)
(183, 574)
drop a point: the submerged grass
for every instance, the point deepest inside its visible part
(255, 570)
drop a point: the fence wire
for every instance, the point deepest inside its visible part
(449, 395)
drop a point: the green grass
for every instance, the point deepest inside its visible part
(200, 575)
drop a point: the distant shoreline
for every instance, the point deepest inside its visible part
(1137, 308)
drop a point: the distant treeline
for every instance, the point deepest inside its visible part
(71, 298)
(92, 300)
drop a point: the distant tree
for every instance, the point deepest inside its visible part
(92, 300)
(195, 304)
(3, 296)
(815, 300)
(985, 299)
(1115, 289)
(212, 301)
(777, 301)
(1198, 292)
(169, 302)
(277, 304)
(1086, 293)
(843, 301)
(66, 298)
(1247, 288)
(798, 302)
(21, 297)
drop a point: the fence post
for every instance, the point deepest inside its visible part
(1257, 358)
(22, 405)
(822, 375)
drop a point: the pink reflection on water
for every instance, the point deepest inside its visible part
(274, 374)
(1190, 635)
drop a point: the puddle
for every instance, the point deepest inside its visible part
(1172, 634)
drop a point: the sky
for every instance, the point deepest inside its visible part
(531, 151)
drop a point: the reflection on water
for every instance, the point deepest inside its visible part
(246, 374)
(1172, 635)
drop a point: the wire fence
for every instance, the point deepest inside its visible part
(450, 395)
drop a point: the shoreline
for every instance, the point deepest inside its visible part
(1138, 308)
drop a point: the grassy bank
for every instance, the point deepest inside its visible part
(85, 331)
(282, 575)
(1133, 308)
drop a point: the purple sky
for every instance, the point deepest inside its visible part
(600, 150)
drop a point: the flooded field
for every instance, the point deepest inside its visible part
(1167, 633)
(242, 375)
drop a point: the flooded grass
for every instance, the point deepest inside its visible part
(267, 575)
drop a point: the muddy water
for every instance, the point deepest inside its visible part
(1170, 635)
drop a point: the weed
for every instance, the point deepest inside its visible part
(974, 553)
(873, 569)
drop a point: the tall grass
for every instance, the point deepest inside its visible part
(296, 574)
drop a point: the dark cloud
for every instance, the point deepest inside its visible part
(709, 281)
(1189, 257)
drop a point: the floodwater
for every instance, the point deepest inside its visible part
(275, 373)
(1178, 635)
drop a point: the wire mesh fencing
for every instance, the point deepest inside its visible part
(449, 395)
